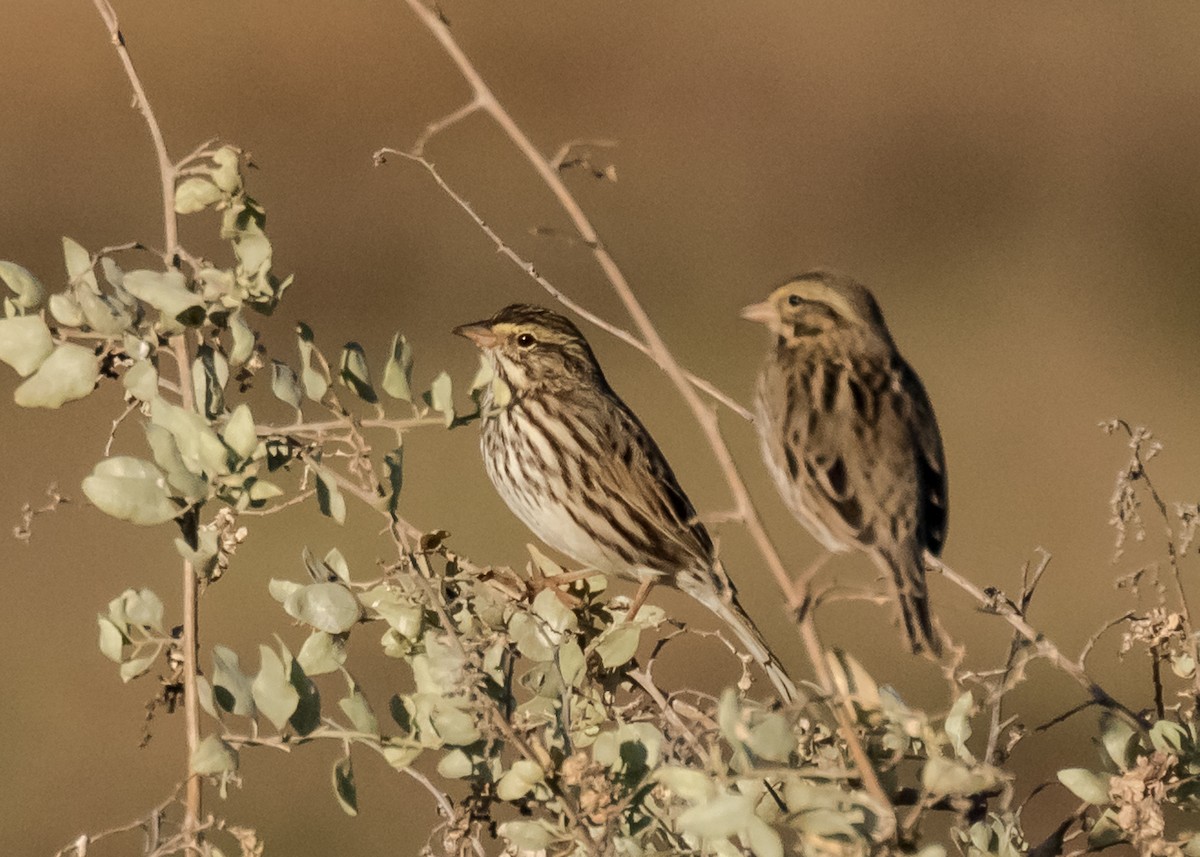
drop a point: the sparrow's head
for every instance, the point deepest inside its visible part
(820, 304)
(530, 346)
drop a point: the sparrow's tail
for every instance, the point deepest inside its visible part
(907, 573)
(720, 598)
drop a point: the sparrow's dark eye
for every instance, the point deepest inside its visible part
(525, 340)
(794, 300)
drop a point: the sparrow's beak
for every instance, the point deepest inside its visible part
(479, 332)
(761, 312)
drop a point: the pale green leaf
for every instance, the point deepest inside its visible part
(137, 667)
(213, 756)
(226, 175)
(618, 644)
(441, 397)
(329, 497)
(1168, 736)
(526, 631)
(168, 293)
(772, 738)
(358, 711)
(397, 609)
(307, 716)
(1120, 741)
(343, 786)
(454, 726)
(272, 690)
(204, 695)
(69, 373)
(130, 489)
(112, 640)
(232, 688)
(1106, 832)
(762, 839)
(355, 373)
(519, 780)
(953, 777)
(141, 380)
(1086, 785)
(205, 555)
(527, 835)
(281, 589)
(25, 342)
(79, 264)
(571, 663)
(312, 373)
(401, 753)
(284, 384)
(853, 681)
(395, 644)
(397, 374)
(240, 434)
(688, 784)
(167, 456)
(196, 194)
(721, 817)
(102, 313)
(242, 337)
(260, 491)
(210, 374)
(66, 310)
(322, 653)
(200, 450)
(115, 277)
(24, 285)
(555, 615)
(328, 607)
(253, 252)
(455, 765)
(144, 608)
(337, 562)
(958, 725)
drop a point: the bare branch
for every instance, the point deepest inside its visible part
(439, 125)
(509, 253)
(179, 346)
(1001, 606)
(166, 169)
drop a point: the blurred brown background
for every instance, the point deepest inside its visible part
(1019, 182)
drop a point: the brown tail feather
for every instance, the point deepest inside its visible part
(907, 574)
(725, 606)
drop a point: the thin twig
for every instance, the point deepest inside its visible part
(503, 248)
(1029, 583)
(1095, 638)
(1136, 438)
(116, 424)
(560, 157)
(333, 425)
(166, 169)
(80, 844)
(1040, 644)
(1066, 715)
(438, 125)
